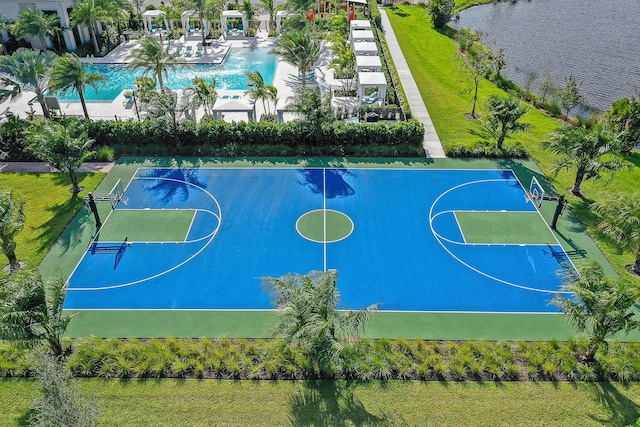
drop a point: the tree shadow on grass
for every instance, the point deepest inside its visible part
(63, 216)
(332, 403)
(622, 410)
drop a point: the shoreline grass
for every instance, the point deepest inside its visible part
(431, 58)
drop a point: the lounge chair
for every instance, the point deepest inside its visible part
(188, 50)
(370, 101)
(240, 28)
(199, 50)
(371, 96)
(178, 49)
(229, 28)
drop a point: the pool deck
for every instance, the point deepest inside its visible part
(285, 81)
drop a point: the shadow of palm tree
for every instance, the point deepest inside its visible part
(622, 410)
(332, 403)
(172, 183)
(332, 183)
(63, 215)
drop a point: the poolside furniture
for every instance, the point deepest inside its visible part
(178, 49)
(229, 28)
(199, 50)
(371, 96)
(128, 98)
(188, 51)
(240, 28)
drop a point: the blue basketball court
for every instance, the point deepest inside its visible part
(412, 240)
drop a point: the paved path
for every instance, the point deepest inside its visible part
(432, 146)
(44, 167)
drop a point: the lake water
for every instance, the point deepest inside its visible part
(598, 41)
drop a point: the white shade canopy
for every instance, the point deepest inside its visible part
(231, 14)
(280, 15)
(365, 48)
(371, 63)
(362, 36)
(360, 24)
(233, 102)
(148, 16)
(376, 80)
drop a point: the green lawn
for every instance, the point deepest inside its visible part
(431, 58)
(339, 403)
(49, 207)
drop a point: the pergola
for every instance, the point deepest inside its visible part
(148, 16)
(359, 24)
(365, 48)
(280, 15)
(234, 104)
(227, 14)
(186, 16)
(361, 36)
(368, 63)
(376, 80)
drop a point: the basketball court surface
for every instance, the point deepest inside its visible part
(413, 240)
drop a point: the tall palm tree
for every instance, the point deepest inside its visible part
(68, 73)
(11, 223)
(257, 88)
(62, 146)
(152, 57)
(621, 222)
(88, 13)
(591, 152)
(26, 70)
(116, 10)
(299, 49)
(32, 22)
(309, 317)
(269, 7)
(202, 94)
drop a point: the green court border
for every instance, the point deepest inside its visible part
(253, 324)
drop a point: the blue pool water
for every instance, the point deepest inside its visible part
(229, 75)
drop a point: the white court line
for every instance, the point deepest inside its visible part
(459, 228)
(324, 215)
(193, 218)
(437, 236)
(212, 236)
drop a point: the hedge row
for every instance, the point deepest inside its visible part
(215, 138)
(365, 359)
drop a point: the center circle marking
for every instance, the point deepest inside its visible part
(311, 226)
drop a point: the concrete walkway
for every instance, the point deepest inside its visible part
(432, 146)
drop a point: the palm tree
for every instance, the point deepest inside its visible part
(621, 222)
(68, 73)
(503, 117)
(343, 61)
(598, 306)
(88, 13)
(309, 318)
(590, 151)
(26, 70)
(62, 146)
(31, 310)
(299, 49)
(269, 7)
(32, 22)
(151, 56)
(202, 94)
(259, 90)
(11, 223)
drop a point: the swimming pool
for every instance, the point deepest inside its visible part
(229, 75)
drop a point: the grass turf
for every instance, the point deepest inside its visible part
(49, 208)
(328, 403)
(431, 58)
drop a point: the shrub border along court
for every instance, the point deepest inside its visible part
(365, 359)
(238, 139)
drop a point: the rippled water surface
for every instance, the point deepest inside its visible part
(598, 41)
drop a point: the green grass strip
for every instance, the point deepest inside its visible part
(525, 228)
(167, 402)
(154, 225)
